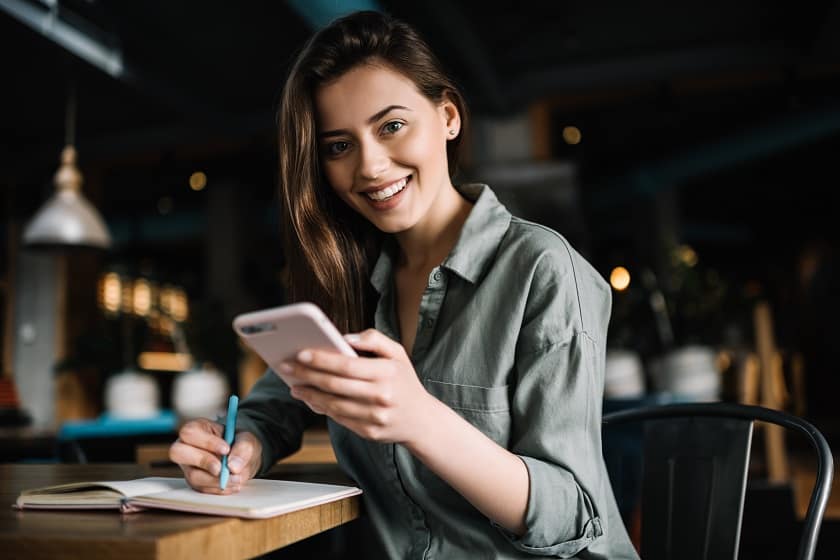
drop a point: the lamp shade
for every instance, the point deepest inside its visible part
(67, 219)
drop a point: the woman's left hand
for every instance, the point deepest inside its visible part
(379, 398)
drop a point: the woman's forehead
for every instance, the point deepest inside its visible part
(362, 92)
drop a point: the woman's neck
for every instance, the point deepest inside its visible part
(429, 242)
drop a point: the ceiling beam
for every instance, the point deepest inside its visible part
(649, 178)
(657, 67)
(80, 38)
(87, 42)
(319, 13)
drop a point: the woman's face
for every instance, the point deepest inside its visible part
(382, 145)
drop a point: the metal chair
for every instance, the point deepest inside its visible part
(694, 475)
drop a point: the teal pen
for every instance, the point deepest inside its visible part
(230, 428)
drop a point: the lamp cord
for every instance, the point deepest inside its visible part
(70, 116)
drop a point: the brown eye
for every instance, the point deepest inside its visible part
(337, 148)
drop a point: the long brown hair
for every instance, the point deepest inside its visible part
(329, 248)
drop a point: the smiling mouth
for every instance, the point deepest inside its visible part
(390, 191)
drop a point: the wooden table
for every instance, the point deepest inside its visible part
(150, 534)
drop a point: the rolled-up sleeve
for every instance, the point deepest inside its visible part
(556, 407)
(275, 417)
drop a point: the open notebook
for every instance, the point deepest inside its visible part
(258, 498)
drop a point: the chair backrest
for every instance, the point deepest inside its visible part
(695, 459)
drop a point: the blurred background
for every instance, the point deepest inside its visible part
(687, 149)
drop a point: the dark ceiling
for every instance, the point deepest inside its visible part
(666, 93)
(215, 67)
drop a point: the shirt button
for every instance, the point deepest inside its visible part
(437, 276)
(429, 323)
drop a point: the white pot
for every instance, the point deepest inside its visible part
(200, 393)
(624, 376)
(132, 395)
(690, 371)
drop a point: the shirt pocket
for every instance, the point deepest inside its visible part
(486, 408)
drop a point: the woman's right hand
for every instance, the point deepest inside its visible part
(199, 449)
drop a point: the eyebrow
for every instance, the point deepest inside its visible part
(372, 119)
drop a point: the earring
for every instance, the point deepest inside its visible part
(451, 132)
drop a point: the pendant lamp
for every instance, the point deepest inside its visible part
(67, 220)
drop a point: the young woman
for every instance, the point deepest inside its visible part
(473, 422)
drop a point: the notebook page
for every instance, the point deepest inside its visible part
(124, 487)
(258, 498)
(95, 494)
(143, 486)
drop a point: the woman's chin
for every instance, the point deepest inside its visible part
(391, 226)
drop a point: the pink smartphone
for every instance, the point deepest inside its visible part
(279, 333)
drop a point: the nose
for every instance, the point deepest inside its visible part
(373, 161)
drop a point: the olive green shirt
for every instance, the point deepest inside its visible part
(511, 335)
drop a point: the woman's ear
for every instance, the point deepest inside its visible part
(451, 118)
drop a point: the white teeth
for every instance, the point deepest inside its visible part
(388, 192)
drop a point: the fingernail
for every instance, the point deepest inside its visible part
(223, 449)
(304, 356)
(352, 338)
(235, 464)
(284, 367)
(235, 480)
(217, 468)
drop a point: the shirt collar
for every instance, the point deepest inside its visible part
(381, 274)
(480, 236)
